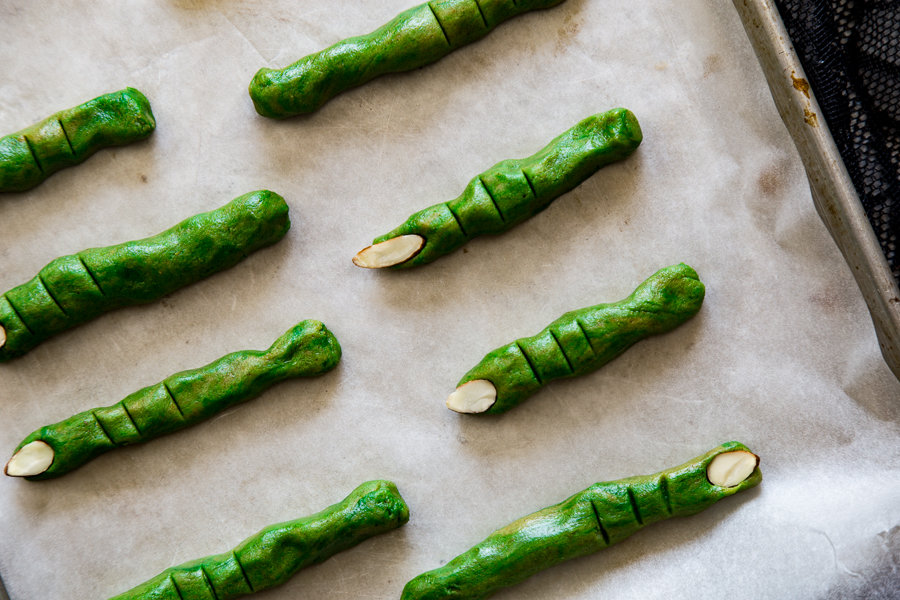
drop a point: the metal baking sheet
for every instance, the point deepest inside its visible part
(782, 356)
(832, 190)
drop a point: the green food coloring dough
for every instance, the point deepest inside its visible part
(70, 136)
(515, 190)
(589, 521)
(186, 398)
(273, 555)
(583, 340)
(416, 37)
(77, 288)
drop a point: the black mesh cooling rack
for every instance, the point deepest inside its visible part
(850, 50)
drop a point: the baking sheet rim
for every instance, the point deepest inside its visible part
(833, 193)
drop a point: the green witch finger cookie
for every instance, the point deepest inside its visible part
(508, 193)
(589, 521)
(579, 342)
(273, 555)
(414, 38)
(77, 288)
(70, 136)
(179, 401)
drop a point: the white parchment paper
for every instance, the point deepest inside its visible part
(782, 356)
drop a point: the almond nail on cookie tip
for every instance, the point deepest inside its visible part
(389, 252)
(31, 459)
(731, 468)
(473, 397)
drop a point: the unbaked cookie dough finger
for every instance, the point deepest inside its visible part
(273, 555)
(414, 38)
(579, 342)
(76, 288)
(589, 521)
(508, 193)
(179, 401)
(70, 136)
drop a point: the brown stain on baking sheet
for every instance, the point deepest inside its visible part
(770, 181)
(800, 84)
(570, 28)
(712, 64)
(810, 117)
(828, 301)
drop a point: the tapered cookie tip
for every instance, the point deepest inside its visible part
(389, 252)
(32, 459)
(632, 129)
(2, 336)
(474, 396)
(731, 468)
